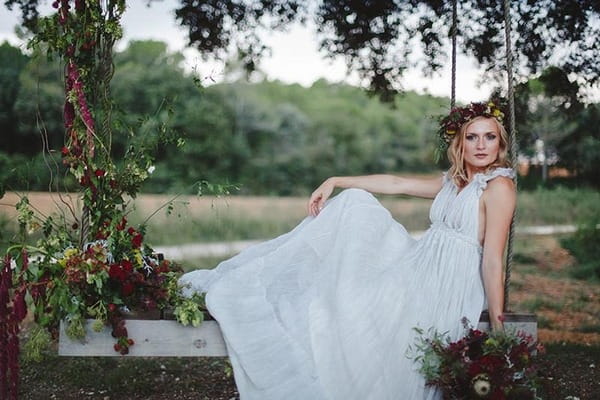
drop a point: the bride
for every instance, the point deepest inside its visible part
(327, 310)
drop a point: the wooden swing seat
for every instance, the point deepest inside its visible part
(168, 338)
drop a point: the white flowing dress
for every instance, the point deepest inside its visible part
(327, 310)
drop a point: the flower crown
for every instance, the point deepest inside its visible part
(451, 123)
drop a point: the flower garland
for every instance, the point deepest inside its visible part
(449, 125)
(88, 262)
(480, 365)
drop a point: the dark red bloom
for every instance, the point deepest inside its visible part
(127, 265)
(136, 241)
(116, 272)
(85, 180)
(19, 307)
(64, 151)
(131, 230)
(100, 173)
(475, 369)
(119, 330)
(127, 289)
(121, 225)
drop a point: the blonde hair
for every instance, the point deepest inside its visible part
(456, 152)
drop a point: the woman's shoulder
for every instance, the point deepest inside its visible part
(499, 181)
(500, 171)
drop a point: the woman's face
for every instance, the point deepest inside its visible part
(481, 144)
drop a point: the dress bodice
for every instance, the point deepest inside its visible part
(458, 210)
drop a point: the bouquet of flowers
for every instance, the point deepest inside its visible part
(481, 365)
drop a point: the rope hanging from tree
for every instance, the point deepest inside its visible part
(453, 33)
(513, 140)
(511, 119)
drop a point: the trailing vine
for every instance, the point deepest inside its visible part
(91, 263)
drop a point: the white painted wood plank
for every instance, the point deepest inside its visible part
(167, 338)
(153, 338)
(513, 322)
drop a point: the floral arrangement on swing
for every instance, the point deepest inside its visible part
(87, 261)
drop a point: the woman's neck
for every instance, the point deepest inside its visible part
(471, 171)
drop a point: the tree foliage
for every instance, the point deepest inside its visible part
(269, 137)
(378, 37)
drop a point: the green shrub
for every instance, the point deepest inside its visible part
(584, 245)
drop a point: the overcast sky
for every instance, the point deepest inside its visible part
(298, 63)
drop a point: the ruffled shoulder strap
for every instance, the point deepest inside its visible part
(483, 179)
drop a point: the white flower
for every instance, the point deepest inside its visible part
(151, 169)
(481, 385)
(13, 264)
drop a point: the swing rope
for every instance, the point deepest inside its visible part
(511, 120)
(513, 142)
(453, 33)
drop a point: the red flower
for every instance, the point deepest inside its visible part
(131, 231)
(85, 180)
(64, 151)
(121, 225)
(136, 241)
(116, 272)
(127, 265)
(100, 173)
(127, 289)
(19, 307)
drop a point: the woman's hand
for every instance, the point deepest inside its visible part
(497, 324)
(319, 197)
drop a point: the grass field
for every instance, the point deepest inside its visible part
(189, 219)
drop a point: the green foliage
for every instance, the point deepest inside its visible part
(38, 341)
(558, 205)
(266, 137)
(378, 38)
(583, 245)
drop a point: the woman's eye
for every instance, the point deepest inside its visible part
(470, 137)
(490, 136)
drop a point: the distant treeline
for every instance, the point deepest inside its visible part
(268, 137)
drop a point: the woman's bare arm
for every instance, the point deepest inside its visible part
(499, 200)
(385, 184)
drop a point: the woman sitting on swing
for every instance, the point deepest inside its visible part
(327, 310)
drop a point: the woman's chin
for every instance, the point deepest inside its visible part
(479, 163)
